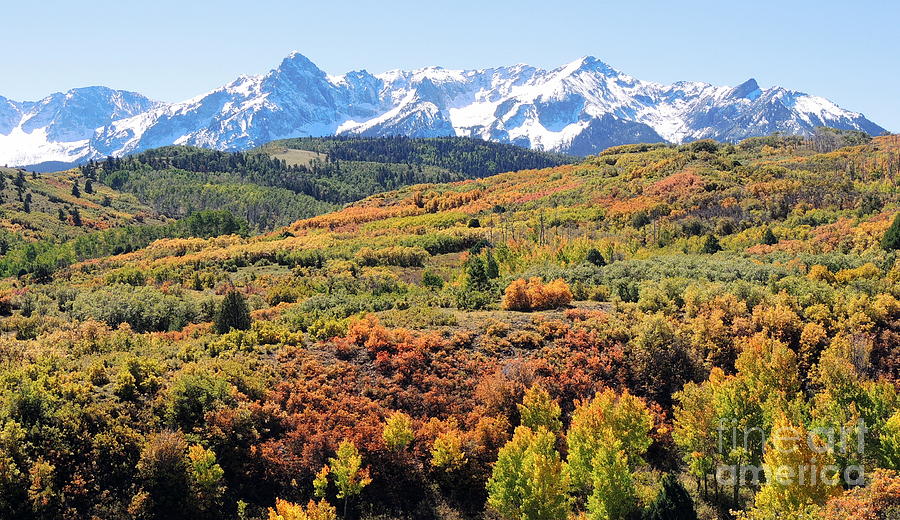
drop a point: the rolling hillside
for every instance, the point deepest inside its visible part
(287, 180)
(464, 347)
(47, 205)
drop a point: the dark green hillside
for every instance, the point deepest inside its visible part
(471, 157)
(299, 178)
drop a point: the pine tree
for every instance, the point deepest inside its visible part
(75, 191)
(769, 237)
(593, 256)
(491, 269)
(891, 239)
(672, 503)
(432, 280)
(233, 313)
(88, 186)
(711, 245)
(476, 275)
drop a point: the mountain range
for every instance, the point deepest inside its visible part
(579, 108)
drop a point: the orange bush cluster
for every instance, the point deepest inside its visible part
(540, 194)
(452, 200)
(535, 295)
(677, 186)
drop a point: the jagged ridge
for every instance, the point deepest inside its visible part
(580, 108)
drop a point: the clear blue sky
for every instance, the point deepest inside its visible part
(172, 50)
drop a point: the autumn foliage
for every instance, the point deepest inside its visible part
(367, 363)
(535, 295)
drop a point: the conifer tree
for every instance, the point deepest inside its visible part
(711, 245)
(672, 503)
(233, 313)
(476, 275)
(595, 257)
(491, 269)
(891, 239)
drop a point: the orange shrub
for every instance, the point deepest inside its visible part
(534, 295)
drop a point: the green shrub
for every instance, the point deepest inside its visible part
(191, 395)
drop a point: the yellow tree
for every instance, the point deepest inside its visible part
(696, 426)
(623, 417)
(398, 432)
(769, 368)
(349, 475)
(799, 475)
(539, 409)
(447, 452)
(529, 480)
(285, 510)
(207, 479)
(614, 496)
(890, 443)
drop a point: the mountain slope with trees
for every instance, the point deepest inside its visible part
(540, 344)
(267, 190)
(36, 206)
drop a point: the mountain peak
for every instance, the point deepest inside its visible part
(748, 89)
(298, 62)
(588, 64)
(582, 106)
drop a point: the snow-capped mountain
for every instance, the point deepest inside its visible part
(581, 108)
(60, 126)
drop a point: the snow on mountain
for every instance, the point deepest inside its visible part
(581, 107)
(60, 126)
